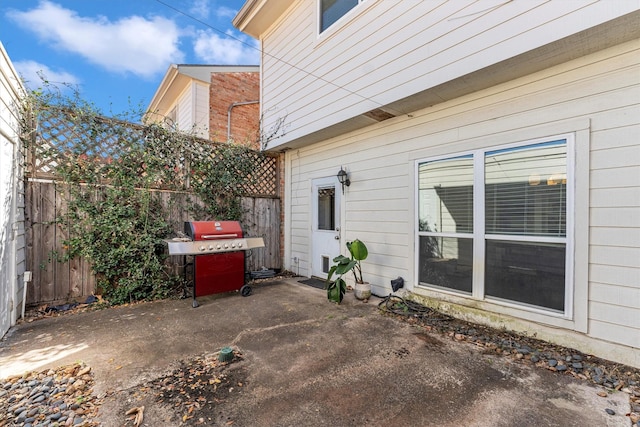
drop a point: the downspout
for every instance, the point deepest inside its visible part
(231, 107)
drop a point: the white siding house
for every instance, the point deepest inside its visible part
(12, 235)
(182, 100)
(493, 150)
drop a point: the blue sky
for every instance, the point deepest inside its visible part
(117, 51)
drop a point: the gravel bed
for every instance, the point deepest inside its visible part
(55, 397)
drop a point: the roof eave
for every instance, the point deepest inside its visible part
(166, 83)
(256, 16)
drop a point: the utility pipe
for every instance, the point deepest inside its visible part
(231, 107)
(26, 278)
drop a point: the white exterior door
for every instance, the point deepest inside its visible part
(325, 233)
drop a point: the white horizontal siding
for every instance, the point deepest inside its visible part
(201, 109)
(614, 135)
(597, 95)
(619, 256)
(619, 196)
(614, 332)
(622, 277)
(614, 235)
(615, 157)
(12, 230)
(622, 296)
(389, 50)
(185, 118)
(616, 315)
(616, 215)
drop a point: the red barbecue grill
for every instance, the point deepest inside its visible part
(218, 249)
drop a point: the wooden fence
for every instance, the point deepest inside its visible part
(55, 281)
(59, 281)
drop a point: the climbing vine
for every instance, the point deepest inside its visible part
(119, 180)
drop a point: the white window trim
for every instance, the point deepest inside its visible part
(479, 236)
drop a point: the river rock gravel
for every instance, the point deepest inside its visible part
(54, 397)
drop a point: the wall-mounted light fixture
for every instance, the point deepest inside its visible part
(343, 178)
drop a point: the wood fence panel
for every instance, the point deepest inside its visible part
(42, 215)
(74, 280)
(262, 219)
(32, 228)
(61, 282)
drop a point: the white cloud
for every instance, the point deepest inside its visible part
(200, 8)
(133, 44)
(215, 49)
(226, 12)
(33, 73)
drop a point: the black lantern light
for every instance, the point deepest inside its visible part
(343, 178)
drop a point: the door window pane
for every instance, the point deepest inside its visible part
(445, 195)
(446, 262)
(326, 208)
(527, 272)
(526, 190)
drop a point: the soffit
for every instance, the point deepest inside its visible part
(256, 16)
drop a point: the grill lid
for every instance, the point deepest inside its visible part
(212, 230)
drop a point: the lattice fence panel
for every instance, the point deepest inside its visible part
(103, 141)
(265, 180)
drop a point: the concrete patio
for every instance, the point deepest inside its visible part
(307, 362)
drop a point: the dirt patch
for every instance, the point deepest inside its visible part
(198, 387)
(519, 348)
(189, 395)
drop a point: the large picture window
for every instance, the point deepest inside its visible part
(502, 212)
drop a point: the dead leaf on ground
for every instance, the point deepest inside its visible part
(139, 415)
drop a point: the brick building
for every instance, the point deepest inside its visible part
(234, 107)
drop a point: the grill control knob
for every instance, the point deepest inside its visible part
(210, 247)
(233, 245)
(226, 246)
(239, 244)
(202, 248)
(218, 247)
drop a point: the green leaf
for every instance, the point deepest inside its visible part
(341, 259)
(345, 268)
(358, 250)
(331, 271)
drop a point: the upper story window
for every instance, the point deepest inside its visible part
(332, 10)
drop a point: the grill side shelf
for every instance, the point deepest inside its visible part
(181, 247)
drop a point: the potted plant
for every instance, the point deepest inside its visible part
(337, 288)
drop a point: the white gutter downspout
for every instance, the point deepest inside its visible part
(235, 104)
